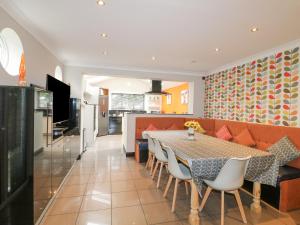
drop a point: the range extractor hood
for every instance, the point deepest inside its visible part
(156, 89)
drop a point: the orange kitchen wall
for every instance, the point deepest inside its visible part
(175, 106)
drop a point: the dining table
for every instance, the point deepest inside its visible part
(206, 155)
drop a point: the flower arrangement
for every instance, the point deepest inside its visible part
(195, 125)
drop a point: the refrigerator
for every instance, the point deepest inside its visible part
(103, 115)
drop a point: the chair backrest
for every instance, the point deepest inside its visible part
(159, 152)
(231, 176)
(173, 165)
(151, 144)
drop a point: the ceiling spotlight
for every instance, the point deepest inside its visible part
(153, 58)
(217, 49)
(254, 29)
(104, 35)
(100, 2)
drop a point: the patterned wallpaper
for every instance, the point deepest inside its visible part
(262, 91)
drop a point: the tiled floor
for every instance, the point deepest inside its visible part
(106, 188)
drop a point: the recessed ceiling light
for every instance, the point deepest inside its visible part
(104, 35)
(217, 49)
(254, 29)
(100, 2)
(153, 58)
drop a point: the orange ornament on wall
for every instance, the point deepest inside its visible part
(22, 71)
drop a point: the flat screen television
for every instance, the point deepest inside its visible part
(61, 99)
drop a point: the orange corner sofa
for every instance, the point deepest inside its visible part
(286, 196)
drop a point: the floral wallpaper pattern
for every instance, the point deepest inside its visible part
(263, 91)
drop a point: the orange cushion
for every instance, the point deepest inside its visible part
(173, 127)
(262, 145)
(245, 138)
(223, 133)
(151, 127)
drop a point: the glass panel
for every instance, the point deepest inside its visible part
(16, 130)
(16, 141)
(127, 101)
(42, 151)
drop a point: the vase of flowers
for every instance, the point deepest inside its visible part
(191, 133)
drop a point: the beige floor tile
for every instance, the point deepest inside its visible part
(288, 221)
(264, 218)
(64, 219)
(120, 176)
(78, 172)
(140, 174)
(119, 186)
(122, 199)
(295, 215)
(66, 205)
(128, 216)
(159, 213)
(98, 188)
(204, 221)
(96, 202)
(141, 184)
(109, 179)
(101, 217)
(75, 180)
(151, 196)
(72, 191)
(171, 223)
(99, 178)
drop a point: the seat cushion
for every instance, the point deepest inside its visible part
(173, 127)
(288, 173)
(284, 150)
(151, 127)
(245, 138)
(223, 133)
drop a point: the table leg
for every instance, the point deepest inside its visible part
(255, 206)
(194, 213)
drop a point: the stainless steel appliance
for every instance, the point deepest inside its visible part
(103, 115)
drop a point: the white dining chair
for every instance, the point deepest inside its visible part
(178, 171)
(229, 179)
(151, 153)
(161, 160)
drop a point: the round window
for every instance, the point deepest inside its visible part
(58, 73)
(11, 51)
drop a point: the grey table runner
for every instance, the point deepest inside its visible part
(206, 156)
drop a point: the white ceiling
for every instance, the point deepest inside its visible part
(174, 31)
(101, 81)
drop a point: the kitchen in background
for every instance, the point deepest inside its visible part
(118, 96)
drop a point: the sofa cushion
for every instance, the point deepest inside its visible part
(173, 127)
(151, 127)
(223, 133)
(262, 145)
(284, 150)
(245, 138)
(207, 124)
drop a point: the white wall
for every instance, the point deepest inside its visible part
(126, 85)
(39, 61)
(74, 74)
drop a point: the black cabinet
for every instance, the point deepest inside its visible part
(115, 125)
(32, 166)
